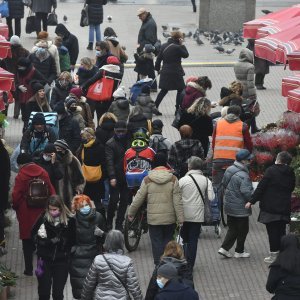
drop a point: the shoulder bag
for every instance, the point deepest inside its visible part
(207, 208)
(90, 173)
(118, 277)
(84, 19)
(30, 22)
(52, 19)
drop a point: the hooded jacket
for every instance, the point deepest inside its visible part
(59, 93)
(120, 108)
(147, 105)
(274, 190)
(27, 216)
(115, 48)
(193, 91)
(161, 191)
(70, 41)
(86, 112)
(244, 72)
(95, 11)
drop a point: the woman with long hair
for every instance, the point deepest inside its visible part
(54, 235)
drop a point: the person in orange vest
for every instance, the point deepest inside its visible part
(230, 135)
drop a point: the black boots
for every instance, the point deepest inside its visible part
(90, 46)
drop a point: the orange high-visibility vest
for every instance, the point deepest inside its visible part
(229, 139)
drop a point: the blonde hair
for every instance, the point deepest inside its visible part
(236, 87)
(108, 116)
(87, 61)
(200, 107)
(65, 75)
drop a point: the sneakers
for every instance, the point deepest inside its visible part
(270, 259)
(241, 255)
(225, 253)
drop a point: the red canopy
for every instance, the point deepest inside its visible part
(5, 50)
(250, 28)
(287, 48)
(6, 80)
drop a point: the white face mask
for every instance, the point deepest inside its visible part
(46, 157)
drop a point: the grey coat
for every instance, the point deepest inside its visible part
(102, 284)
(244, 72)
(120, 108)
(238, 190)
(44, 6)
(147, 105)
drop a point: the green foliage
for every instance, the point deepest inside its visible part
(7, 278)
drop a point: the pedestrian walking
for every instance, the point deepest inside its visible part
(274, 193)
(16, 12)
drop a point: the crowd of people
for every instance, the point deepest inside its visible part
(74, 174)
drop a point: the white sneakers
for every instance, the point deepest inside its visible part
(227, 254)
(270, 259)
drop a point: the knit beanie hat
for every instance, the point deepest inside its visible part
(15, 40)
(24, 158)
(77, 92)
(62, 144)
(69, 101)
(36, 86)
(167, 270)
(121, 125)
(119, 92)
(50, 148)
(38, 119)
(146, 89)
(113, 60)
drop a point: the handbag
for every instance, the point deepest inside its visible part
(118, 277)
(4, 9)
(90, 173)
(177, 118)
(102, 89)
(52, 19)
(207, 208)
(30, 22)
(84, 19)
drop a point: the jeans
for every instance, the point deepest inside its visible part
(118, 194)
(17, 26)
(276, 230)
(28, 249)
(40, 17)
(55, 275)
(190, 233)
(160, 235)
(100, 107)
(94, 28)
(163, 93)
(238, 228)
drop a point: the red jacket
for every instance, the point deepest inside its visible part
(27, 216)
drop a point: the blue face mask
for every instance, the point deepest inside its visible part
(98, 53)
(85, 210)
(159, 283)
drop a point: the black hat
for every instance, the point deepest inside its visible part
(60, 107)
(146, 89)
(24, 158)
(121, 125)
(36, 86)
(160, 160)
(38, 119)
(69, 101)
(157, 124)
(50, 148)
(167, 270)
(62, 144)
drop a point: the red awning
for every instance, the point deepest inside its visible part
(5, 50)
(250, 28)
(287, 48)
(6, 80)
(294, 60)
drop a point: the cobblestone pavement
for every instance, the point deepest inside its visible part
(215, 278)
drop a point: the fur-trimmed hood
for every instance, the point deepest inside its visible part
(111, 68)
(67, 158)
(196, 86)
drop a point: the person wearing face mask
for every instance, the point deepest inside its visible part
(73, 181)
(102, 53)
(48, 161)
(86, 70)
(92, 157)
(274, 196)
(237, 191)
(90, 226)
(27, 215)
(115, 149)
(170, 287)
(75, 111)
(54, 234)
(62, 88)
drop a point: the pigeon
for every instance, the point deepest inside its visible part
(229, 51)
(164, 27)
(109, 18)
(266, 11)
(220, 49)
(206, 34)
(65, 18)
(166, 35)
(237, 43)
(199, 42)
(189, 34)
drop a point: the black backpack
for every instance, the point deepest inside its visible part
(158, 144)
(38, 193)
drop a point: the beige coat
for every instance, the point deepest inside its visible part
(161, 191)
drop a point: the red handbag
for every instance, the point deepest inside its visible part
(101, 90)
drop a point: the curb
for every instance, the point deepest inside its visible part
(196, 64)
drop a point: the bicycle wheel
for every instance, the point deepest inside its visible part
(223, 215)
(133, 232)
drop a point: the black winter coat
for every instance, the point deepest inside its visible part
(171, 73)
(202, 128)
(46, 67)
(70, 41)
(114, 154)
(136, 122)
(95, 11)
(59, 94)
(48, 250)
(86, 248)
(16, 9)
(85, 75)
(284, 285)
(69, 130)
(147, 33)
(105, 131)
(274, 190)
(5, 176)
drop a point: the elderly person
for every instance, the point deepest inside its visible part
(171, 73)
(194, 185)
(238, 189)
(112, 276)
(160, 190)
(274, 195)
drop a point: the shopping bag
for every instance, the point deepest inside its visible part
(84, 19)
(52, 19)
(4, 9)
(30, 22)
(177, 118)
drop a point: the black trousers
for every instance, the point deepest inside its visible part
(2, 235)
(100, 107)
(40, 17)
(55, 275)
(194, 5)
(163, 93)
(276, 230)
(10, 27)
(259, 79)
(28, 249)
(238, 228)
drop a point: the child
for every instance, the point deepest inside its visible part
(64, 56)
(144, 61)
(145, 102)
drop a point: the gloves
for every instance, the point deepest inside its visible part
(55, 240)
(98, 231)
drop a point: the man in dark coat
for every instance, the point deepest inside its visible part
(16, 11)
(147, 35)
(70, 41)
